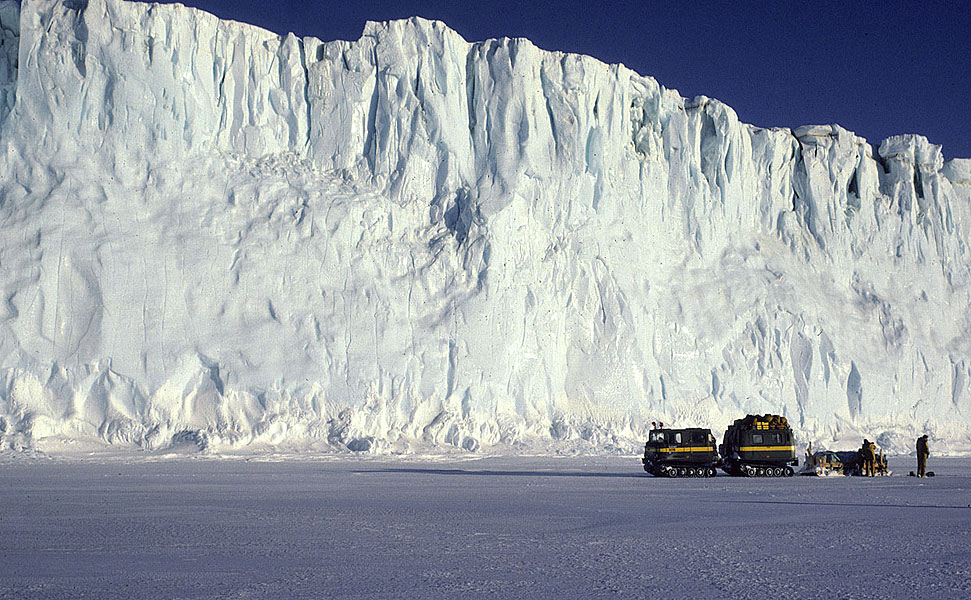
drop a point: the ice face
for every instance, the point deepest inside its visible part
(215, 234)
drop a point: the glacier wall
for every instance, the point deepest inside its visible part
(215, 235)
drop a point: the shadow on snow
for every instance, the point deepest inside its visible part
(506, 473)
(495, 473)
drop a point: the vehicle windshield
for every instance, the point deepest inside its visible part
(657, 436)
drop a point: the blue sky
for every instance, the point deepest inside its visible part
(876, 68)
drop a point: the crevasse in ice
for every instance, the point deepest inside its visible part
(217, 235)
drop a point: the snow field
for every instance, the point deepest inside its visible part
(500, 528)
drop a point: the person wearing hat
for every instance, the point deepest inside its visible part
(922, 454)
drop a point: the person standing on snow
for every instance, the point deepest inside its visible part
(873, 453)
(922, 453)
(869, 457)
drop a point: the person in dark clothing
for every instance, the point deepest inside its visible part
(922, 453)
(868, 456)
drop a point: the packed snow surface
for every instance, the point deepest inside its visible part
(212, 234)
(494, 528)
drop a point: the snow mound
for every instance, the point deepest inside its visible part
(215, 236)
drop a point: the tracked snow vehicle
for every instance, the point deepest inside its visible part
(759, 446)
(680, 453)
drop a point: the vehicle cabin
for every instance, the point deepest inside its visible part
(683, 437)
(680, 453)
(767, 439)
(759, 446)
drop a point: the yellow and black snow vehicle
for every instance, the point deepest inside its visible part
(759, 446)
(680, 453)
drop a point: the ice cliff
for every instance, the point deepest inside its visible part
(217, 235)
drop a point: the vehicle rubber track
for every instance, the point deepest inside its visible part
(765, 471)
(685, 471)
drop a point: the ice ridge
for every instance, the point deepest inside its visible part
(214, 235)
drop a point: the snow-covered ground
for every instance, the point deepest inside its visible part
(496, 528)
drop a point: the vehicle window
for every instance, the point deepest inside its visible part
(697, 437)
(711, 440)
(677, 438)
(756, 438)
(657, 436)
(775, 438)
